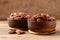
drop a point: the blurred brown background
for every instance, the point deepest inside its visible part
(29, 6)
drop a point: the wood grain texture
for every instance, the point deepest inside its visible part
(27, 36)
(29, 6)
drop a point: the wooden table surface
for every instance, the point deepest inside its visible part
(27, 36)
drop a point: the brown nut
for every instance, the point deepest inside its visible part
(28, 16)
(39, 20)
(18, 31)
(12, 31)
(51, 18)
(17, 18)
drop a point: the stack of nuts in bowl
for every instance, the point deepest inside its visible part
(40, 23)
(18, 23)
